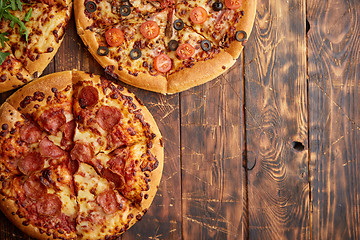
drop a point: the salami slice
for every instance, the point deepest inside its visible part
(107, 117)
(115, 178)
(49, 205)
(30, 163)
(51, 120)
(49, 149)
(29, 133)
(108, 202)
(69, 130)
(117, 163)
(88, 97)
(82, 152)
(33, 188)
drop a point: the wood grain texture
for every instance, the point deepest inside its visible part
(334, 94)
(212, 172)
(276, 118)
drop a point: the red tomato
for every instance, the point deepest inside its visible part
(162, 63)
(233, 4)
(184, 51)
(198, 15)
(114, 37)
(150, 29)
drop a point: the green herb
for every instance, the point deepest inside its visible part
(3, 39)
(3, 55)
(28, 15)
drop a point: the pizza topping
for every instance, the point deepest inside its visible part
(102, 51)
(178, 24)
(217, 6)
(90, 6)
(49, 205)
(206, 45)
(233, 4)
(241, 36)
(185, 51)
(117, 163)
(198, 15)
(49, 149)
(33, 188)
(31, 163)
(173, 45)
(125, 10)
(135, 53)
(107, 117)
(82, 152)
(108, 202)
(29, 133)
(150, 29)
(88, 96)
(162, 63)
(114, 37)
(69, 130)
(52, 120)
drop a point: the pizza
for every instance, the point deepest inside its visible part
(80, 157)
(31, 32)
(165, 46)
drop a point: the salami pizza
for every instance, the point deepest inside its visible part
(165, 46)
(31, 32)
(80, 157)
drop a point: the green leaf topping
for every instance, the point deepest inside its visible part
(3, 39)
(3, 56)
(28, 15)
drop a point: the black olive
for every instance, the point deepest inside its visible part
(239, 33)
(102, 51)
(173, 45)
(125, 10)
(135, 54)
(91, 6)
(217, 6)
(178, 24)
(206, 45)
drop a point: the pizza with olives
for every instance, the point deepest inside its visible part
(165, 46)
(31, 32)
(80, 157)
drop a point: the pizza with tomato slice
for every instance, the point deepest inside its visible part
(31, 32)
(80, 157)
(165, 46)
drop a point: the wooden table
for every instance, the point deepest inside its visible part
(268, 150)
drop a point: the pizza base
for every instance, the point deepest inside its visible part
(201, 72)
(10, 113)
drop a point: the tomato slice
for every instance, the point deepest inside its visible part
(233, 4)
(198, 15)
(150, 29)
(162, 63)
(114, 37)
(184, 51)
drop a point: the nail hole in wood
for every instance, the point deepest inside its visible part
(249, 160)
(298, 146)
(307, 26)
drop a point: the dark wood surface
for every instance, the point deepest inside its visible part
(268, 150)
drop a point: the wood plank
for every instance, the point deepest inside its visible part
(334, 95)
(211, 150)
(276, 122)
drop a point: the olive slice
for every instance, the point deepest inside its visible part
(206, 45)
(217, 6)
(242, 34)
(135, 54)
(173, 45)
(102, 51)
(91, 6)
(125, 10)
(178, 24)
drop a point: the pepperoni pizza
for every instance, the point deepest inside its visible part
(80, 157)
(165, 46)
(31, 32)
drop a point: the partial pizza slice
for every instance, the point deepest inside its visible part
(224, 22)
(13, 74)
(103, 212)
(45, 26)
(42, 204)
(128, 50)
(107, 117)
(50, 108)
